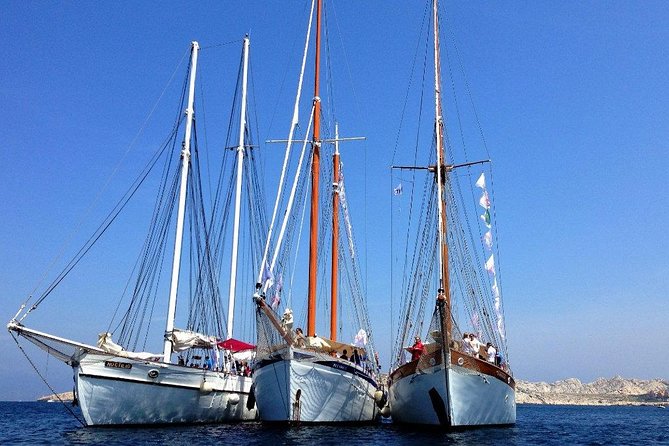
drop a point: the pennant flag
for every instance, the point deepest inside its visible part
(495, 289)
(485, 200)
(490, 265)
(500, 327)
(487, 240)
(481, 181)
(398, 190)
(267, 276)
(277, 293)
(486, 218)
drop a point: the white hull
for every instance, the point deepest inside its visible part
(474, 399)
(315, 388)
(114, 394)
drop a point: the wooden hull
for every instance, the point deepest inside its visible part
(478, 393)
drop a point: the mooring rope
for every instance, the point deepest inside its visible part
(69, 409)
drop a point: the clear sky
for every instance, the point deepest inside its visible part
(573, 98)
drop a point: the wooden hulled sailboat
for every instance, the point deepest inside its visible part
(449, 381)
(301, 377)
(114, 384)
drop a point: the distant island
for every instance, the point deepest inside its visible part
(55, 397)
(616, 391)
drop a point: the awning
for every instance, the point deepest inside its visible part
(234, 345)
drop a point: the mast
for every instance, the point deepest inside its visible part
(185, 161)
(315, 171)
(238, 192)
(444, 283)
(335, 238)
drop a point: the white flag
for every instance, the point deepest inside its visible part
(490, 265)
(267, 276)
(481, 181)
(360, 339)
(500, 327)
(495, 290)
(484, 201)
(487, 240)
(398, 190)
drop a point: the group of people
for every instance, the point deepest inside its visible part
(472, 346)
(235, 367)
(355, 356)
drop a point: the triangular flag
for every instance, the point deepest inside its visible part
(500, 327)
(495, 289)
(486, 218)
(484, 201)
(487, 240)
(481, 181)
(398, 190)
(490, 265)
(267, 276)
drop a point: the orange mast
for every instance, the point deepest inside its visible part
(335, 239)
(315, 169)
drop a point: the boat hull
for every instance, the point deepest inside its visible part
(300, 386)
(113, 391)
(474, 398)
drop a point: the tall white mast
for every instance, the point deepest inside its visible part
(185, 160)
(238, 193)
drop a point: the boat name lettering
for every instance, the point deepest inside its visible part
(118, 365)
(339, 366)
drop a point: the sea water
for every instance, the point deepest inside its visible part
(51, 423)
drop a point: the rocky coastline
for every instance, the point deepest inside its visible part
(616, 391)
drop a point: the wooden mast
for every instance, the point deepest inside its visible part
(335, 238)
(441, 171)
(315, 169)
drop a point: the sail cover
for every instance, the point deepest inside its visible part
(106, 343)
(234, 345)
(183, 340)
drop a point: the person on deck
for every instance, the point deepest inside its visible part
(344, 355)
(355, 357)
(475, 344)
(492, 352)
(466, 345)
(416, 349)
(300, 340)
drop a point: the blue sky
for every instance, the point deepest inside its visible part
(572, 97)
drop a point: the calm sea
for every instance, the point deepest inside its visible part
(50, 423)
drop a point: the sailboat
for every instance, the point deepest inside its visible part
(113, 383)
(450, 380)
(299, 376)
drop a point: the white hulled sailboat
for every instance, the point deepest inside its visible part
(301, 377)
(116, 385)
(449, 382)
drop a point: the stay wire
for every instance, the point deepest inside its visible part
(46, 382)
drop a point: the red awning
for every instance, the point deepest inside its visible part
(234, 345)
